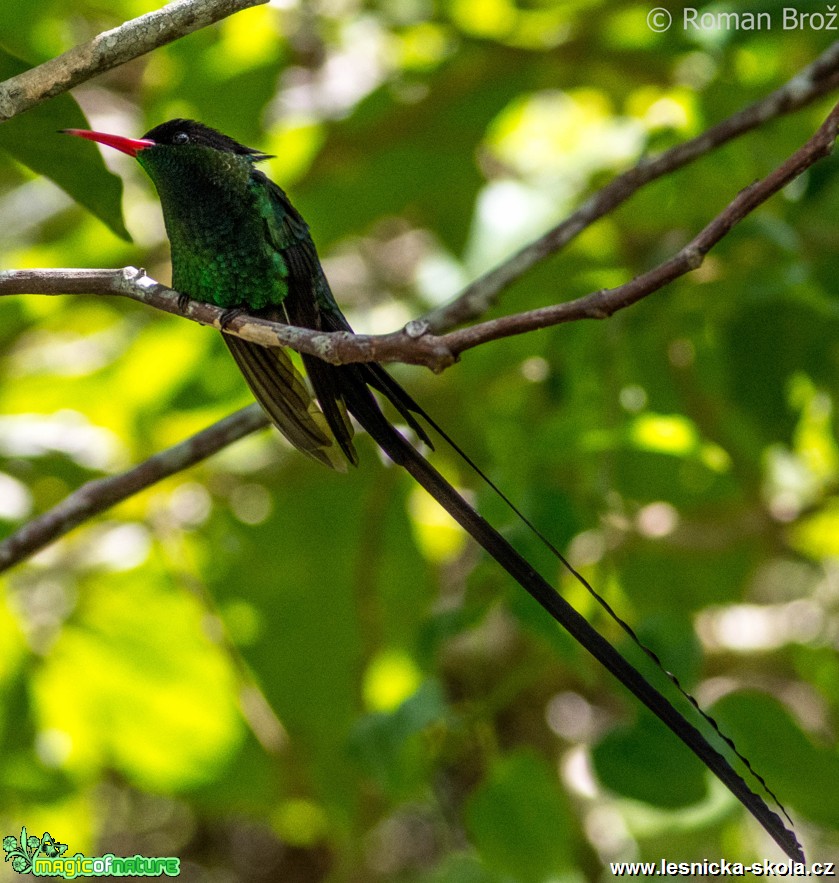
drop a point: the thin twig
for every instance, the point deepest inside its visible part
(407, 346)
(413, 344)
(812, 82)
(112, 48)
(97, 496)
(604, 303)
(429, 349)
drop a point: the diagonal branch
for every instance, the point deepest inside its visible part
(604, 303)
(435, 351)
(817, 79)
(415, 344)
(96, 496)
(111, 49)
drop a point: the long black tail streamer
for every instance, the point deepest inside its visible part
(605, 605)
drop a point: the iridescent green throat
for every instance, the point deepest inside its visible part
(215, 216)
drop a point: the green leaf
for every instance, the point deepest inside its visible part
(32, 138)
(390, 747)
(805, 775)
(519, 821)
(645, 763)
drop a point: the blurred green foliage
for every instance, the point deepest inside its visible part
(279, 673)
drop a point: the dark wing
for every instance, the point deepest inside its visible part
(310, 304)
(281, 390)
(272, 375)
(342, 388)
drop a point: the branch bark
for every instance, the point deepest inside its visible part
(97, 496)
(415, 344)
(111, 49)
(817, 79)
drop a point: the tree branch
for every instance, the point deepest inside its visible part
(604, 303)
(414, 345)
(97, 496)
(112, 48)
(810, 83)
(435, 351)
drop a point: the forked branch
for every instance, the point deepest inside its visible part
(415, 344)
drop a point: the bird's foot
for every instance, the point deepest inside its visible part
(229, 315)
(183, 300)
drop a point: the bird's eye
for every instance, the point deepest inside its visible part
(180, 138)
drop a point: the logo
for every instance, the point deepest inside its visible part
(45, 857)
(23, 853)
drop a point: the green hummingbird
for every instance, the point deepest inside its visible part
(237, 242)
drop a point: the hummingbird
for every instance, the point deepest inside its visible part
(237, 242)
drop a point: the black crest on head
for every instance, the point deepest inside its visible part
(183, 132)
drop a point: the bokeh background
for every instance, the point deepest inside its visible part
(280, 673)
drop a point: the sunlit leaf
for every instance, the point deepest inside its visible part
(32, 138)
